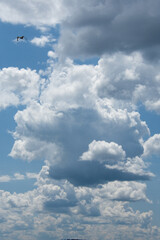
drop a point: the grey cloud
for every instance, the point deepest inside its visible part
(60, 205)
(91, 211)
(109, 26)
(92, 173)
(76, 128)
(2, 220)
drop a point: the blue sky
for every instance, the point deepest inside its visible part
(80, 113)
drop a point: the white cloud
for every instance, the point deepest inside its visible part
(19, 176)
(72, 120)
(39, 14)
(104, 152)
(72, 117)
(125, 80)
(33, 149)
(5, 178)
(70, 86)
(50, 125)
(152, 146)
(126, 191)
(16, 177)
(18, 86)
(42, 41)
(59, 206)
(52, 54)
(128, 80)
(31, 175)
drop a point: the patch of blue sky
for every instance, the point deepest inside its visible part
(18, 186)
(23, 54)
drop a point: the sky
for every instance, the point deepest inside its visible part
(80, 120)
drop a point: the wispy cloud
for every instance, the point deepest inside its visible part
(18, 177)
(5, 178)
(42, 41)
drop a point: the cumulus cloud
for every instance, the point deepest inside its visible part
(73, 117)
(51, 126)
(70, 86)
(54, 204)
(52, 54)
(33, 149)
(106, 26)
(152, 146)
(18, 86)
(109, 153)
(128, 80)
(126, 191)
(30, 13)
(125, 80)
(83, 120)
(92, 145)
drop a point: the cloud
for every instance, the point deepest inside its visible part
(104, 26)
(15, 177)
(40, 15)
(92, 146)
(124, 80)
(99, 27)
(30, 149)
(59, 206)
(126, 191)
(152, 146)
(74, 122)
(31, 175)
(52, 54)
(18, 86)
(86, 173)
(109, 153)
(83, 121)
(19, 176)
(72, 96)
(42, 41)
(5, 178)
(70, 86)
(128, 80)
(51, 126)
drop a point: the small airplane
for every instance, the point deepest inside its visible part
(20, 37)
